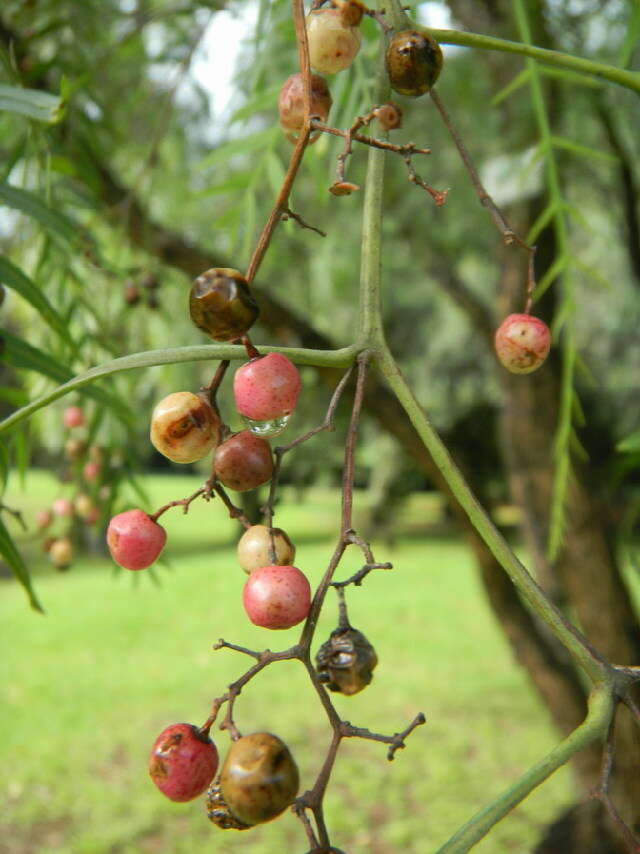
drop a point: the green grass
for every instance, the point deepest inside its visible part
(85, 689)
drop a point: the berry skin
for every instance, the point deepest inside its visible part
(243, 462)
(218, 810)
(522, 343)
(73, 417)
(332, 45)
(259, 778)
(184, 428)
(221, 304)
(346, 662)
(266, 387)
(277, 597)
(291, 104)
(61, 553)
(414, 62)
(134, 539)
(183, 762)
(254, 548)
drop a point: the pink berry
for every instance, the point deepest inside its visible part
(522, 343)
(183, 762)
(277, 597)
(266, 387)
(73, 417)
(134, 539)
(91, 471)
(291, 104)
(43, 519)
(62, 507)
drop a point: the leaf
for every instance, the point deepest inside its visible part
(28, 203)
(17, 565)
(256, 142)
(264, 99)
(541, 222)
(571, 77)
(583, 150)
(630, 444)
(14, 278)
(511, 87)
(32, 103)
(550, 276)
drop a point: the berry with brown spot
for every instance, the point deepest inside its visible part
(183, 762)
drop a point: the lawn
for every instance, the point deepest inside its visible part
(85, 689)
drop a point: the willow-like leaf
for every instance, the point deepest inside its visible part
(512, 86)
(28, 203)
(585, 151)
(630, 444)
(17, 565)
(32, 103)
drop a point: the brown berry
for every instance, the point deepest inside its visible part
(243, 462)
(218, 810)
(222, 305)
(414, 62)
(389, 115)
(184, 427)
(291, 104)
(345, 662)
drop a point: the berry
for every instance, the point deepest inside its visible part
(62, 507)
(218, 810)
(414, 62)
(43, 519)
(131, 294)
(222, 305)
(259, 778)
(74, 448)
(266, 387)
(389, 115)
(522, 343)
(61, 553)
(184, 427)
(345, 662)
(277, 597)
(291, 104)
(254, 548)
(134, 539)
(183, 762)
(243, 462)
(73, 417)
(332, 45)
(84, 506)
(91, 470)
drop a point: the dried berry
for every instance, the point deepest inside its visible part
(332, 45)
(184, 427)
(277, 597)
(254, 548)
(243, 462)
(135, 540)
(266, 387)
(222, 305)
(183, 762)
(291, 104)
(522, 343)
(414, 62)
(389, 115)
(218, 810)
(346, 662)
(259, 778)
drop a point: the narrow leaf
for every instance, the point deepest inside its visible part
(17, 565)
(256, 142)
(28, 203)
(550, 276)
(583, 150)
(511, 87)
(630, 444)
(32, 103)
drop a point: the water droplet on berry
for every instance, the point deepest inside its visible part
(267, 429)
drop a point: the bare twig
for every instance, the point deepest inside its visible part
(234, 512)
(214, 385)
(408, 148)
(185, 503)
(396, 741)
(289, 214)
(357, 577)
(438, 196)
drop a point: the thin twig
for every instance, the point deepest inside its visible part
(356, 578)
(234, 512)
(289, 214)
(396, 741)
(438, 196)
(408, 148)
(185, 503)
(214, 385)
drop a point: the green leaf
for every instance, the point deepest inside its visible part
(14, 278)
(550, 276)
(17, 565)
(511, 87)
(32, 103)
(28, 203)
(583, 150)
(541, 222)
(256, 142)
(571, 77)
(630, 444)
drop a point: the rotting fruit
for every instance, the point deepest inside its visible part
(266, 387)
(183, 762)
(277, 597)
(254, 548)
(135, 540)
(221, 304)
(291, 104)
(218, 810)
(184, 427)
(332, 45)
(414, 62)
(522, 343)
(259, 778)
(346, 662)
(243, 462)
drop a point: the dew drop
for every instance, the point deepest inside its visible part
(266, 429)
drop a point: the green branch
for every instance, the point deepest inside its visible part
(319, 358)
(628, 79)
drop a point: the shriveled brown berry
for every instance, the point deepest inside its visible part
(218, 810)
(259, 778)
(345, 662)
(414, 62)
(222, 305)
(184, 427)
(389, 115)
(291, 104)
(243, 462)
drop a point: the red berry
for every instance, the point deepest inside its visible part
(134, 539)
(183, 762)
(266, 387)
(62, 507)
(243, 462)
(291, 103)
(91, 470)
(277, 597)
(522, 343)
(73, 417)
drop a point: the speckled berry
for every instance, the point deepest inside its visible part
(183, 762)
(221, 304)
(184, 427)
(135, 540)
(254, 548)
(259, 778)
(266, 387)
(277, 597)
(291, 104)
(414, 62)
(332, 45)
(522, 343)
(243, 462)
